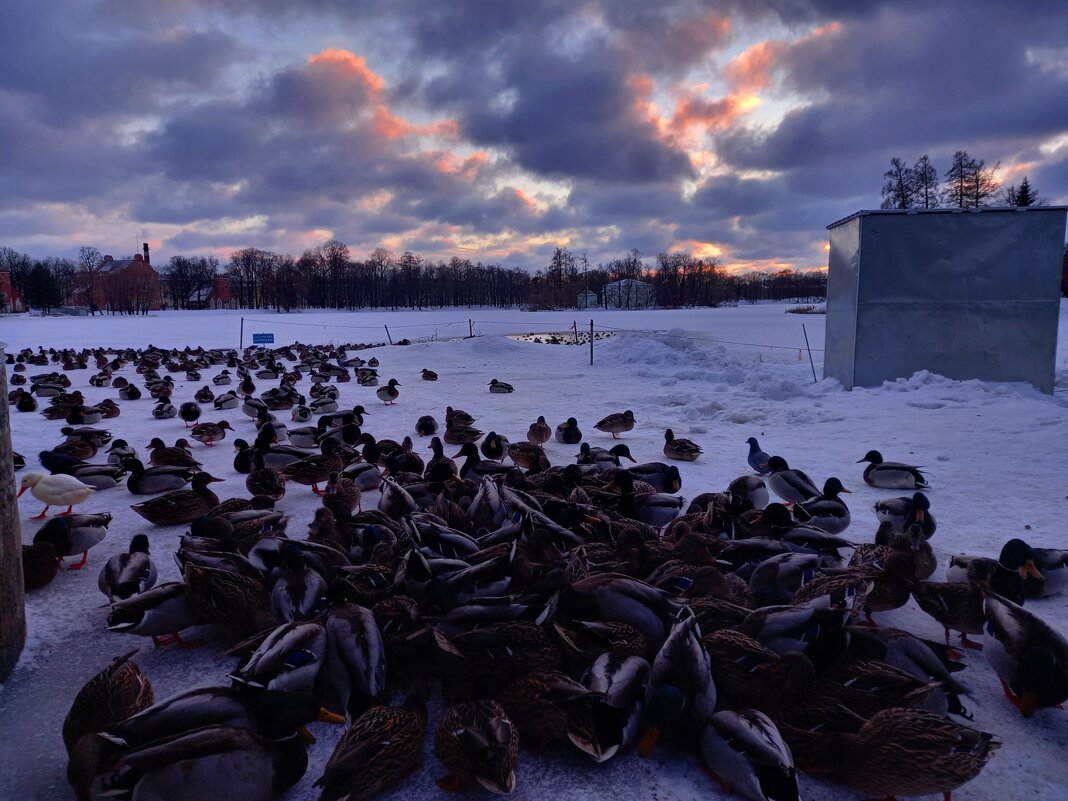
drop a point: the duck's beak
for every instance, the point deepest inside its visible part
(845, 490)
(305, 735)
(326, 716)
(628, 456)
(21, 491)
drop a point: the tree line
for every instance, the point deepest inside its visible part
(328, 277)
(968, 183)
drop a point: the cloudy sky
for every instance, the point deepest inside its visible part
(498, 129)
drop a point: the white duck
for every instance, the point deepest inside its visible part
(57, 490)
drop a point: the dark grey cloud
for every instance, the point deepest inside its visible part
(179, 114)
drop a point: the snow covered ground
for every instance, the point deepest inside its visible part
(993, 452)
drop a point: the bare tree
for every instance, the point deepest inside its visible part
(90, 264)
(898, 191)
(925, 183)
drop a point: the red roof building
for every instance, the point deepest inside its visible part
(119, 285)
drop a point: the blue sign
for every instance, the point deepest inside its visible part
(263, 339)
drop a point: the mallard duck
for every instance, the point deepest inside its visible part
(793, 486)
(389, 393)
(494, 446)
(310, 470)
(816, 628)
(680, 696)
(356, 657)
(210, 762)
(160, 613)
(164, 409)
(478, 743)
(461, 434)
(457, 417)
(379, 749)
(188, 411)
(568, 432)
(500, 387)
(911, 654)
(529, 456)
(891, 475)
(439, 461)
(539, 431)
(120, 449)
(429, 375)
(548, 706)
(181, 506)
(617, 682)
(904, 511)
(115, 693)
(342, 489)
(74, 534)
(827, 511)
(210, 433)
(748, 674)
(662, 477)
(226, 401)
(262, 480)
(603, 458)
(56, 490)
(616, 423)
(289, 659)
(1029, 656)
(130, 573)
(129, 393)
(656, 509)
(499, 650)
(746, 753)
(161, 455)
(1009, 575)
(907, 752)
(957, 606)
(426, 426)
(683, 450)
(298, 592)
(155, 480)
(474, 467)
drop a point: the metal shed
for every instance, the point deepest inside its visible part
(966, 293)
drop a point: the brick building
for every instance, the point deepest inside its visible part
(10, 299)
(119, 285)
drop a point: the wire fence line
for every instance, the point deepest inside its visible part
(561, 325)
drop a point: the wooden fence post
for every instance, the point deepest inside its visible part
(12, 600)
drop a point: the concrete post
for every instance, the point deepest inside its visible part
(12, 595)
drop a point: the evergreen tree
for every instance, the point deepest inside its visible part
(42, 289)
(1024, 195)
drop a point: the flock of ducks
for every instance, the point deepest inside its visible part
(583, 607)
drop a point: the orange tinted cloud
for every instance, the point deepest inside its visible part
(351, 63)
(384, 121)
(693, 111)
(467, 168)
(751, 70)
